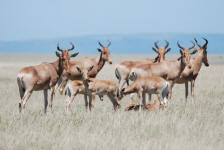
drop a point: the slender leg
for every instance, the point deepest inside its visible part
(69, 101)
(186, 90)
(114, 101)
(62, 85)
(118, 102)
(90, 102)
(121, 85)
(149, 97)
(21, 98)
(52, 97)
(93, 101)
(127, 81)
(143, 99)
(45, 100)
(163, 100)
(170, 91)
(25, 98)
(140, 100)
(192, 88)
(86, 101)
(21, 92)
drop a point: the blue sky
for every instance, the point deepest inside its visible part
(46, 19)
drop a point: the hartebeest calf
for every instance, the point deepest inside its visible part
(90, 87)
(190, 74)
(123, 70)
(43, 77)
(151, 85)
(86, 62)
(169, 70)
(155, 106)
(95, 87)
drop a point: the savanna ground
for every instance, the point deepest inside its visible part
(196, 125)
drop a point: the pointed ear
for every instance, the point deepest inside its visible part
(79, 70)
(195, 51)
(99, 50)
(73, 55)
(57, 54)
(168, 50)
(90, 68)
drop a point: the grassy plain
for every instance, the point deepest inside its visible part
(195, 125)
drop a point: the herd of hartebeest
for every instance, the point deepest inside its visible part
(150, 76)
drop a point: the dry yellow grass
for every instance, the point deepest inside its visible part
(198, 125)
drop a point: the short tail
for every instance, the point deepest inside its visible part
(67, 91)
(165, 90)
(117, 74)
(21, 86)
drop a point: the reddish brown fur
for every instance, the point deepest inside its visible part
(169, 70)
(148, 85)
(156, 106)
(95, 87)
(42, 77)
(190, 74)
(123, 70)
(97, 62)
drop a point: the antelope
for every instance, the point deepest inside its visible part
(155, 106)
(94, 87)
(169, 70)
(151, 85)
(43, 77)
(98, 63)
(123, 70)
(192, 73)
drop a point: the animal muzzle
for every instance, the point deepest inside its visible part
(206, 64)
(189, 66)
(109, 61)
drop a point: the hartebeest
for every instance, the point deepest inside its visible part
(95, 87)
(151, 85)
(86, 62)
(169, 70)
(190, 74)
(123, 70)
(155, 106)
(43, 77)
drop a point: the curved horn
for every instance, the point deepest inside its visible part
(192, 45)
(72, 47)
(109, 42)
(156, 44)
(101, 44)
(206, 42)
(58, 48)
(179, 45)
(154, 49)
(197, 42)
(168, 50)
(167, 44)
